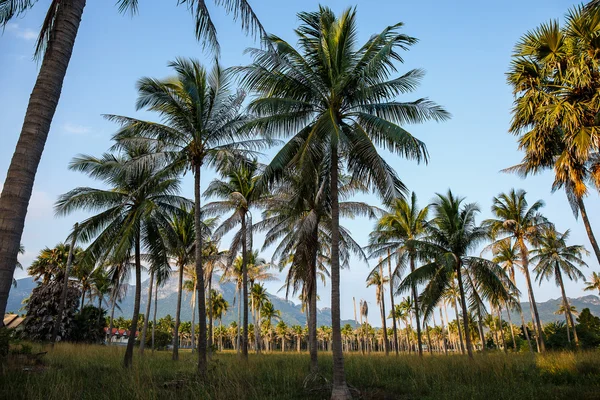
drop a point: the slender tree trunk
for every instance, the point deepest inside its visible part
(244, 288)
(199, 275)
(20, 177)
(340, 389)
(111, 324)
(63, 294)
(239, 322)
(567, 307)
(502, 329)
(460, 336)
(211, 322)
(588, 228)
(147, 315)
(444, 333)
(194, 317)
(538, 325)
(136, 303)
(512, 333)
(154, 314)
(465, 311)
(428, 339)
(312, 320)
(416, 307)
(178, 314)
(257, 329)
(480, 327)
(386, 344)
(394, 326)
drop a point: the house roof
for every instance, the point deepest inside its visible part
(12, 320)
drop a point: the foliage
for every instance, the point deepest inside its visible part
(89, 325)
(42, 309)
(588, 329)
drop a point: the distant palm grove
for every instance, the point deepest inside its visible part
(324, 108)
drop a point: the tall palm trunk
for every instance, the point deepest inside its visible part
(136, 303)
(112, 319)
(460, 335)
(194, 318)
(480, 327)
(20, 177)
(210, 334)
(244, 288)
(199, 275)
(416, 308)
(538, 325)
(178, 314)
(63, 295)
(257, 329)
(340, 389)
(82, 299)
(463, 303)
(386, 344)
(239, 322)
(147, 315)
(393, 307)
(154, 314)
(567, 307)
(444, 333)
(499, 310)
(512, 334)
(312, 319)
(525, 332)
(588, 228)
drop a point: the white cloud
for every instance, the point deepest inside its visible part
(23, 33)
(76, 129)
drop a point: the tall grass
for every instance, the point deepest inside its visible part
(95, 372)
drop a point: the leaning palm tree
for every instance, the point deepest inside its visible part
(554, 258)
(392, 239)
(130, 213)
(450, 236)
(379, 280)
(523, 223)
(237, 194)
(55, 46)
(201, 125)
(338, 102)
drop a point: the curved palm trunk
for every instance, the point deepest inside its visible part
(538, 325)
(154, 314)
(244, 288)
(20, 177)
(525, 332)
(416, 307)
(199, 275)
(136, 303)
(178, 315)
(463, 303)
(393, 307)
(63, 295)
(147, 315)
(567, 307)
(588, 228)
(340, 389)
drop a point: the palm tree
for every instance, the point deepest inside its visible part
(554, 258)
(55, 46)
(219, 307)
(336, 98)
(259, 296)
(268, 313)
(298, 332)
(129, 214)
(555, 108)
(282, 331)
(238, 194)
(202, 120)
(392, 238)
(594, 283)
(523, 223)
(450, 236)
(378, 279)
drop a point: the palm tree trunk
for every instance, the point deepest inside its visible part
(567, 307)
(465, 310)
(444, 333)
(147, 315)
(257, 329)
(460, 336)
(63, 295)
(312, 320)
(154, 314)
(416, 307)
(210, 336)
(428, 339)
(512, 333)
(178, 314)
(194, 318)
(538, 325)
(501, 329)
(480, 327)
(112, 318)
(340, 389)
(244, 288)
(588, 228)
(386, 343)
(136, 303)
(199, 275)
(394, 326)
(20, 177)
(239, 322)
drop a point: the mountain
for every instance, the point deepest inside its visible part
(290, 312)
(167, 302)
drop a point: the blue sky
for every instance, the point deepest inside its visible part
(464, 46)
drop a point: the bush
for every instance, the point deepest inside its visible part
(89, 325)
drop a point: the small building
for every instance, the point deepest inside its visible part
(11, 321)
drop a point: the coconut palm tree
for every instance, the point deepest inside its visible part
(337, 99)
(450, 236)
(202, 118)
(55, 46)
(130, 213)
(392, 238)
(554, 258)
(259, 297)
(594, 283)
(522, 223)
(219, 306)
(268, 313)
(299, 334)
(378, 279)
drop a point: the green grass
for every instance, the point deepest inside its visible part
(95, 372)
